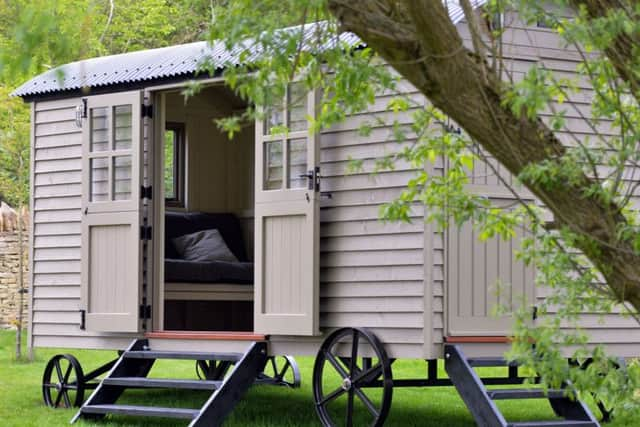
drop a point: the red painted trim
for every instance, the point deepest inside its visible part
(474, 339)
(206, 335)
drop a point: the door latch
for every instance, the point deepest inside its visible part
(313, 179)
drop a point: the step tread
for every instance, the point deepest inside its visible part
(143, 382)
(524, 393)
(555, 423)
(149, 411)
(185, 355)
(482, 362)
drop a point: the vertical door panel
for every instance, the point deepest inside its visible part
(111, 207)
(287, 221)
(484, 276)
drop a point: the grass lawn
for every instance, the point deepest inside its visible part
(21, 402)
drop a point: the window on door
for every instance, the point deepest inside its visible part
(174, 164)
(285, 155)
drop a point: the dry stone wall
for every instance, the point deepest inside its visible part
(9, 278)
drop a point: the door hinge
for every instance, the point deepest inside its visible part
(83, 316)
(534, 313)
(146, 232)
(147, 111)
(145, 312)
(146, 192)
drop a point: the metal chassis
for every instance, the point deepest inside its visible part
(434, 380)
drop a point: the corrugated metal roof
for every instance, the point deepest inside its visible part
(154, 64)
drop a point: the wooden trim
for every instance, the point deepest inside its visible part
(478, 339)
(32, 216)
(206, 335)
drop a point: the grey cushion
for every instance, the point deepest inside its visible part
(204, 246)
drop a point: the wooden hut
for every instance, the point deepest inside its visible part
(129, 180)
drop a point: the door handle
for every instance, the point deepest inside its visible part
(313, 178)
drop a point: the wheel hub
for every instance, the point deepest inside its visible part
(59, 387)
(346, 384)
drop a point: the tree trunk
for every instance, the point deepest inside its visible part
(419, 40)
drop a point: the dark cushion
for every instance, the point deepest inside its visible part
(181, 223)
(178, 270)
(203, 246)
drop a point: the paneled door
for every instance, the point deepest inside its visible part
(287, 219)
(111, 212)
(486, 278)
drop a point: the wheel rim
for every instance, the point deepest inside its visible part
(350, 365)
(281, 370)
(63, 382)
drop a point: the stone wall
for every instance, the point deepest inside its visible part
(9, 278)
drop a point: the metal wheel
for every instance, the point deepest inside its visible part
(281, 370)
(352, 381)
(63, 382)
(212, 370)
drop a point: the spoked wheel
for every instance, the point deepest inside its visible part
(281, 370)
(63, 382)
(212, 370)
(352, 382)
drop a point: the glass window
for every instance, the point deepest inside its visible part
(174, 164)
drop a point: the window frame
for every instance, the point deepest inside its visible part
(179, 164)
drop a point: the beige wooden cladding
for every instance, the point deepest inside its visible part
(284, 283)
(111, 207)
(287, 226)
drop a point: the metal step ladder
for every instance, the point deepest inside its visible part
(481, 401)
(131, 370)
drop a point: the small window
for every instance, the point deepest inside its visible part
(174, 164)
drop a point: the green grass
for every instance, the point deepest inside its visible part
(21, 402)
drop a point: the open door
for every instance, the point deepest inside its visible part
(287, 220)
(111, 212)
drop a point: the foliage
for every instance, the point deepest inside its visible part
(349, 77)
(14, 150)
(169, 165)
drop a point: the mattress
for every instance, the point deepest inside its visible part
(179, 270)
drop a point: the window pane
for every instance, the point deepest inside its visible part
(122, 127)
(297, 163)
(273, 165)
(99, 129)
(99, 170)
(297, 107)
(169, 164)
(122, 178)
(273, 118)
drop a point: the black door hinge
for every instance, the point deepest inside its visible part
(147, 111)
(83, 315)
(146, 232)
(146, 192)
(534, 313)
(145, 312)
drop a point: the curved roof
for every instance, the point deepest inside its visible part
(156, 64)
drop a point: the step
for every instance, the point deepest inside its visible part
(487, 362)
(145, 411)
(142, 382)
(524, 393)
(558, 423)
(183, 355)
